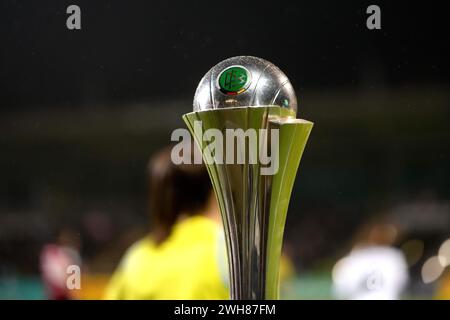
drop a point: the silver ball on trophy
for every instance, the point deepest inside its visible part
(244, 81)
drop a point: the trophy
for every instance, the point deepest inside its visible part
(244, 122)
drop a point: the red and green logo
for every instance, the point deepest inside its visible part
(234, 80)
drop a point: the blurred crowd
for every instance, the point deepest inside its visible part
(179, 253)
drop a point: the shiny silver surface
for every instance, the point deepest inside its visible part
(269, 86)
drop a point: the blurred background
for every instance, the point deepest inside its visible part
(81, 111)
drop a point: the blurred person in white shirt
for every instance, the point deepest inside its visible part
(373, 270)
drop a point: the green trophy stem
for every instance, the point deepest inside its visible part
(253, 206)
(293, 138)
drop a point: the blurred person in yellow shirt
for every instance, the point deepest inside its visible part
(183, 257)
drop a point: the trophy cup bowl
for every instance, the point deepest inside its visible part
(253, 105)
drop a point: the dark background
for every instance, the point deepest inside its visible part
(82, 110)
(132, 50)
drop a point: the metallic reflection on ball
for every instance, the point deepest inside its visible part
(244, 81)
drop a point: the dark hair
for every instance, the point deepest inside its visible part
(174, 189)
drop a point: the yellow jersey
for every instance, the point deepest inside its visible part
(189, 264)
